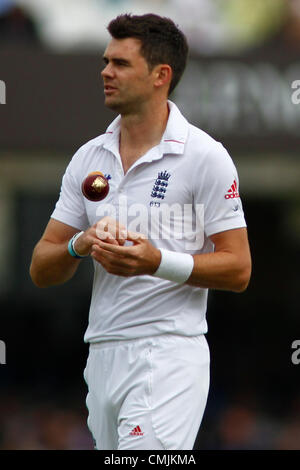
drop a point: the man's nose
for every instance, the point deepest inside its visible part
(107, 71)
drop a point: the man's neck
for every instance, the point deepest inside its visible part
(142, 131)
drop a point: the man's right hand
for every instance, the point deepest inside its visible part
(107, 229)
(51, 263)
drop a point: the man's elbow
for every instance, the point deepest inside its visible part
(38, 275)
(242, 279)
(36, 279)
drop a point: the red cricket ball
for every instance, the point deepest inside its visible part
(95, 186)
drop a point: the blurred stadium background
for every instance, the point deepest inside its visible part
(245, 55)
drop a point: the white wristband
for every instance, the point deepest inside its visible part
(174, 266)
(73, 240)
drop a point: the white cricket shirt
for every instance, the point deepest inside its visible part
(180, 192)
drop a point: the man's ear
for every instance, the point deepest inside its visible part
(163, 75)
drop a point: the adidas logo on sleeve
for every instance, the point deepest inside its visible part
(232, 191)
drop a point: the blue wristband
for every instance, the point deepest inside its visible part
(71, 250)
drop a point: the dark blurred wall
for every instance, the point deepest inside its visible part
(52, 101)
(55, 102)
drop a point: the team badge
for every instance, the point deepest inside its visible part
(160, 185)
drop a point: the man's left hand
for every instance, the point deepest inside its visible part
(130, 260)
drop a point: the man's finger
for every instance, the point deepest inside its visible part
(109, 259)
(108, 225)
(135, 236)
(106, 236)
(120, 250)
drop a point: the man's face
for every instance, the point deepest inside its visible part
(128, 84)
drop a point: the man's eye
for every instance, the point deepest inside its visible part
(118, 63)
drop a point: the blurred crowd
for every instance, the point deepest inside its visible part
(242, 426)
(28, 425)
(45, 426)
(212, 26)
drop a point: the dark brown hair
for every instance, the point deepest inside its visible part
(161, 41)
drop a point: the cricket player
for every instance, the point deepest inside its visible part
(171, 227)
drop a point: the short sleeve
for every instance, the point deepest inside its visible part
(219, 193)
(70, 208)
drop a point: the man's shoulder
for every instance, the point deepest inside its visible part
(87, 153)
(204, 143)
(196, 138)
(97, 141)
(202, 136)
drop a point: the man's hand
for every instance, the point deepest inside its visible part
(106, 229)
(139, 258)
(51, 262)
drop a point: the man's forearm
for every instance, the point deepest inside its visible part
(51, 264)
(221, 270)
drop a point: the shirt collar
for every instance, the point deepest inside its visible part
(175, 135)
(172, 142)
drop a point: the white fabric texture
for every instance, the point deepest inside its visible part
(147, 394)
(187, 169)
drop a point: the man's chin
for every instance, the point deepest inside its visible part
(112, 104)
(118, 106)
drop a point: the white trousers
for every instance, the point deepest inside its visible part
(148, 393)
